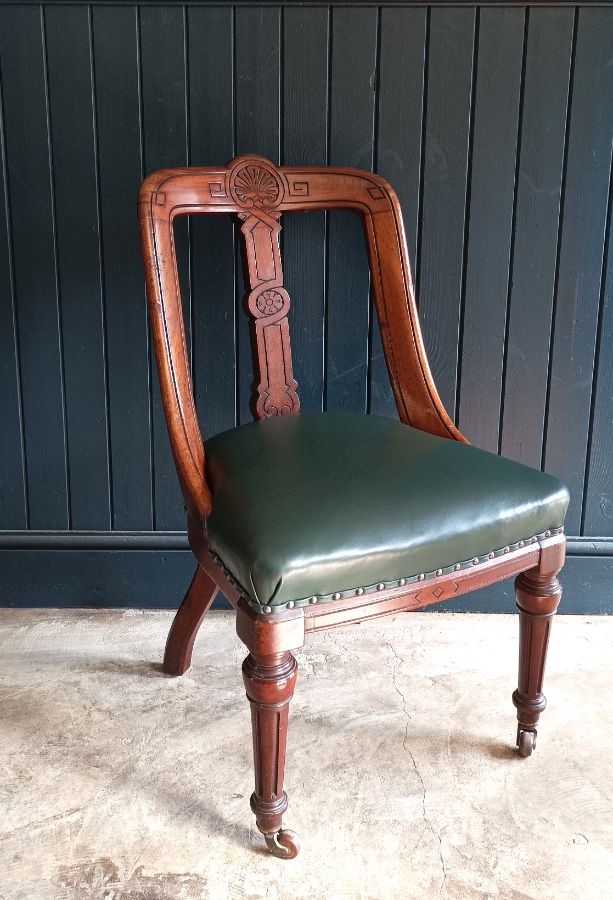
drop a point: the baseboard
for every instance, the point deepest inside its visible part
(153, 570)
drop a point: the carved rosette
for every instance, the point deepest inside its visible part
(254, 185)
(270, 304)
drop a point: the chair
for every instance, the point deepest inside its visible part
(311, 521)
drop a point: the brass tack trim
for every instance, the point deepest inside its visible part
(254, 604)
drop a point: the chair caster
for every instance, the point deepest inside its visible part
(285, 844)
(526, 741)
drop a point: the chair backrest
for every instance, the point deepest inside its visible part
(259, 192)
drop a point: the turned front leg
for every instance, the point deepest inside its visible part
(538, 595)
(269, 682)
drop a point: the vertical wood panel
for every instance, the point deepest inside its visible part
(162, 43)
(305, 132)
(257, 112)
(452, 35)
(536, 231)
(494, 148)
(402, 55)
(75, 188)
(401, 94)
(24, 77)
(581, 256)
(115, 52)
(13, 508)
(211, 129)
(598, 498)
(353, 78)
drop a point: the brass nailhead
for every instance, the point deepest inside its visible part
(291, 604)
(507, 550)
(380, 586)
(520, 545)
(476, 561)
(336, 596)
(533, 540)
(312, 599)
(548, 534)
(267, 609)
(439, 571)
(402, 582)
(421, 577)
(457, 567)
(359, 592)
(490, 555)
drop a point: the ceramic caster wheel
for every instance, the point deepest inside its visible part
(526, 742)
(284, 844)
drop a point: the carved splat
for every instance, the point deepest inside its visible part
(259, 189)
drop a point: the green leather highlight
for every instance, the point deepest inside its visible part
(312, 504)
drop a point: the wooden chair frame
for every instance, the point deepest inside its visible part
(258, 192)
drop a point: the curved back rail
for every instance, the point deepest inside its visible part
(259, 192)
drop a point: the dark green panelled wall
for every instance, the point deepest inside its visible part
(494, 123)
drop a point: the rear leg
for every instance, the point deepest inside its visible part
(183, 631)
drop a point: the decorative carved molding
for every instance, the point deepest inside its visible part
(255, 185)
(274, 387)
(270, 302)
(217, 189)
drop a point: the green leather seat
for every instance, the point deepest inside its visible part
(312, 506)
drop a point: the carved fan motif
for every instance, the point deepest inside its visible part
(254, 185)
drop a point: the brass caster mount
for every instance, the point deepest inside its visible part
(526, 740)
(284, 844)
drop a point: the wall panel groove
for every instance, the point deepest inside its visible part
(13, 471)
(493, 122)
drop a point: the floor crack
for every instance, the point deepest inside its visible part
(398, 660)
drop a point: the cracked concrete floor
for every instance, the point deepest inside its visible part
(117, 783)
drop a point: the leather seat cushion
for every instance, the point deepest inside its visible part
(316, 504)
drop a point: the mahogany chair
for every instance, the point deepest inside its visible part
(310, 521)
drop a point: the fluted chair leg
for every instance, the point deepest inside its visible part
(269, 682)
(180, 643)
(537, 598)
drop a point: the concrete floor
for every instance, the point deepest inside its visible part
(117, 783)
